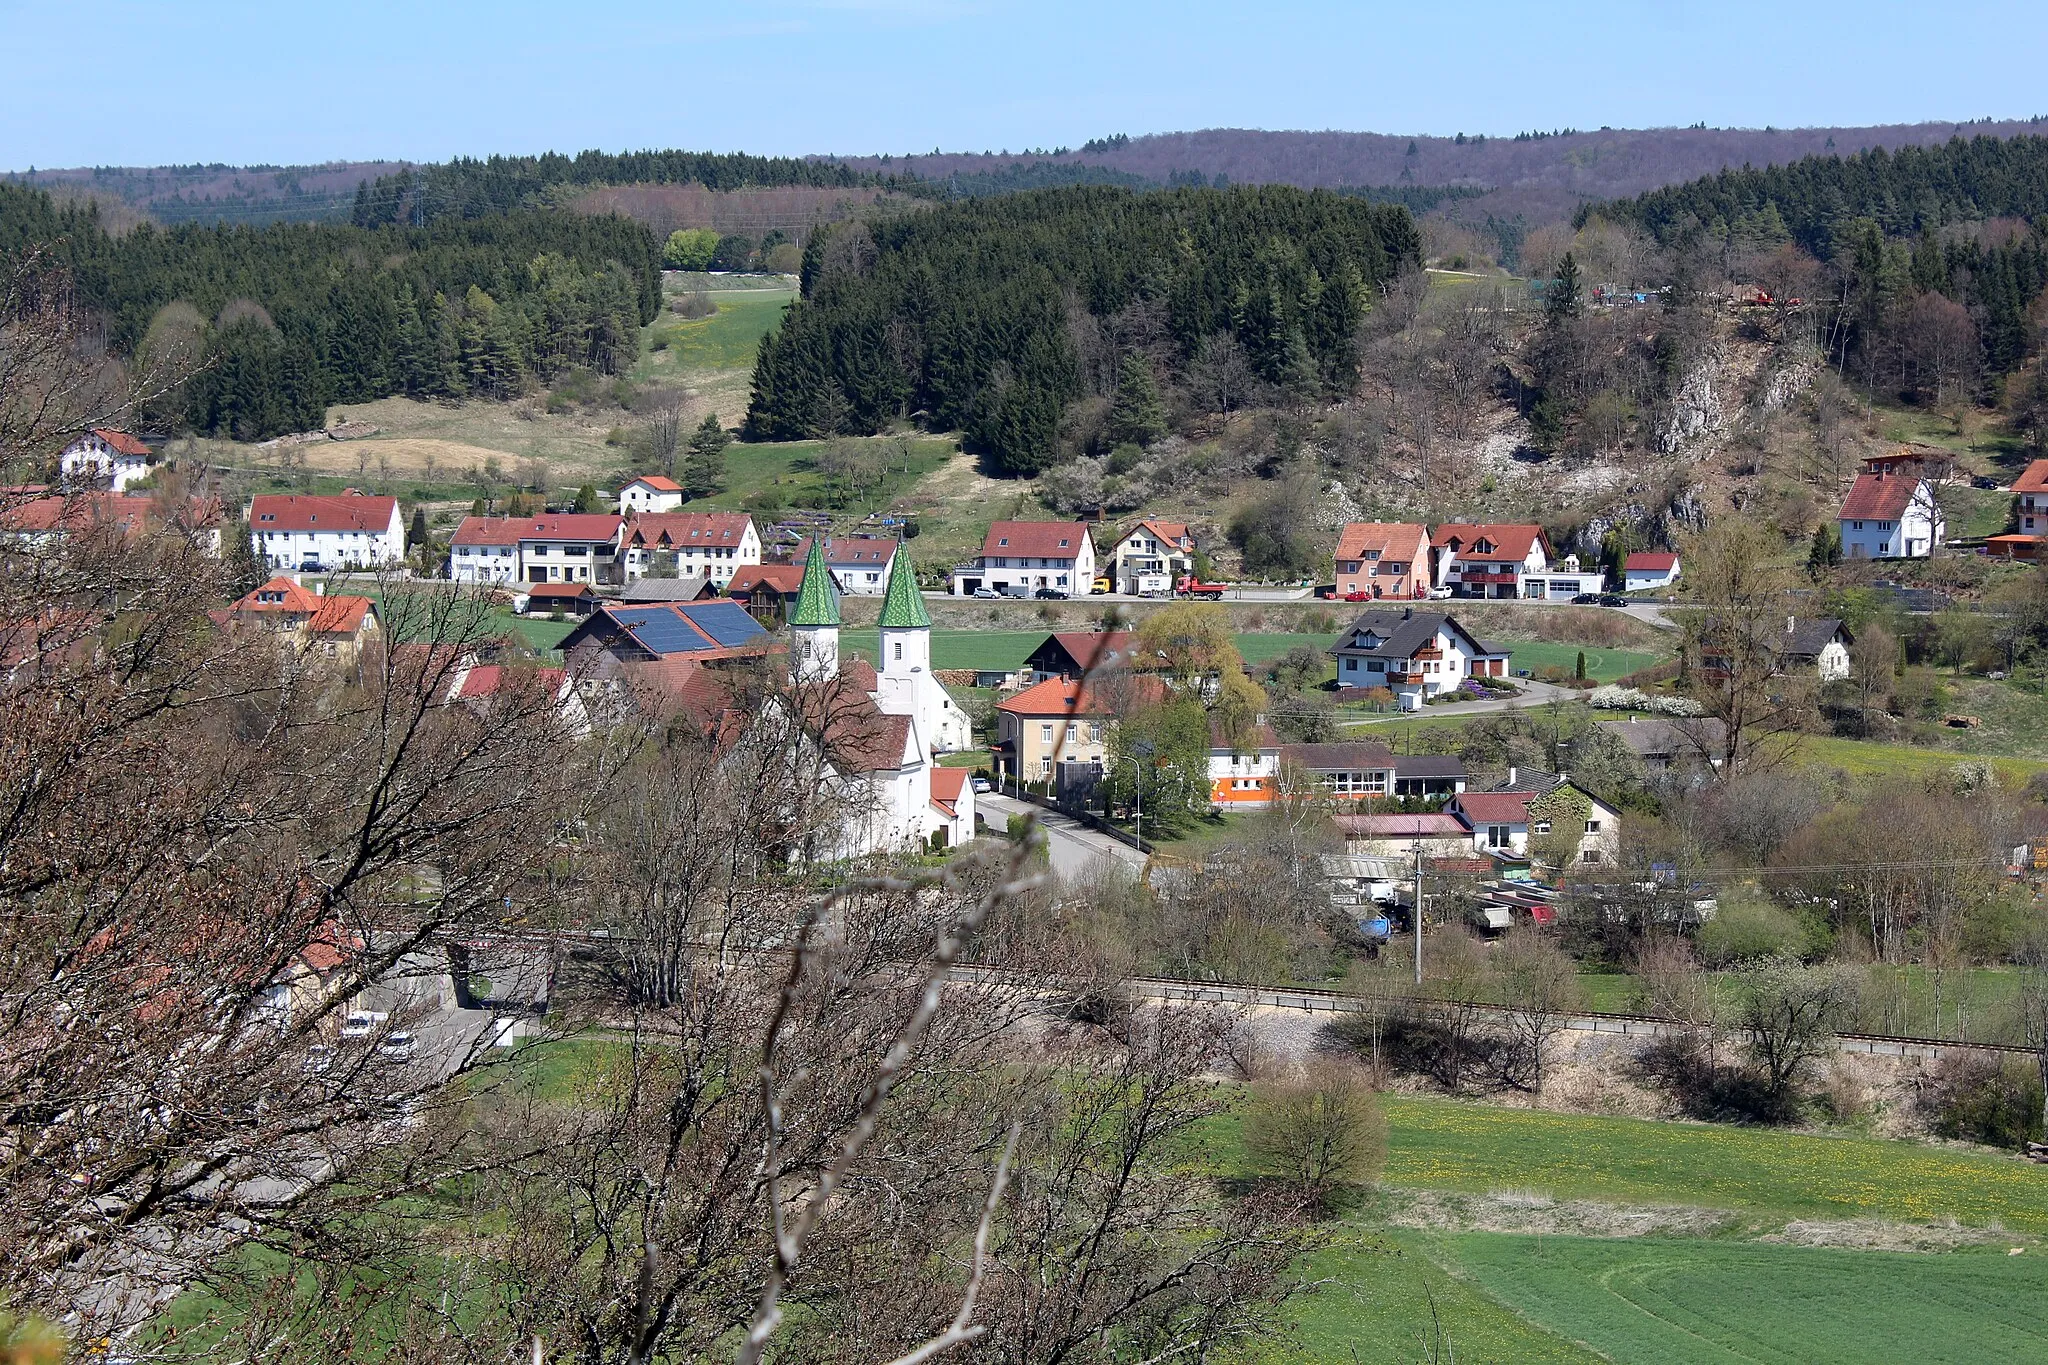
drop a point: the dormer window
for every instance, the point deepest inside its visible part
(1005, 540)
(1063, 544)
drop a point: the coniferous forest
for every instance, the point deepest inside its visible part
(992, 316)
(275, 323)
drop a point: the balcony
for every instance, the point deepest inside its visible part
(1404, 679)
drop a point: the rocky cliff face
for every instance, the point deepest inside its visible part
(1698, 411)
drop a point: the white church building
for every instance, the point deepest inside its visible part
(884, 727)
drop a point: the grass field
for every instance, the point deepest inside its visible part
(979, 649)
(1445, 1144)
(1602, 664)
(790, 468)
(1891, 762)
(1660, 1302)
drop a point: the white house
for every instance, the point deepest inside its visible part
(1416, 655)
(1150, 557)
(1649, 569)
(1563, 581)
(1020, 558)
(1501, 820)
(1488, 560)
(711, 545)
(1890, 516)
(570, 547)
(860, 565)
(312, 533)
(650, 493)
(484, 550)
(105, 458)
(1245, 775)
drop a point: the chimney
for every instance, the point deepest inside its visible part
(1511, 774)
(1407, 613)
(320, 588)
(1790, 621)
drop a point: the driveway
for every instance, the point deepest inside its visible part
(1533, 694)
(1077, 851)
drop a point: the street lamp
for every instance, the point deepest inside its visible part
(1139, 748)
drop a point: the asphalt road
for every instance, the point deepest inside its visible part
(1533, 694)
(1077, 851)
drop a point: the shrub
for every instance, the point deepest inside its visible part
(1748, 925)
(1992, 1100)
(1321, 1133)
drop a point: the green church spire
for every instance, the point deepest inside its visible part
(902, 603)
(817, 602)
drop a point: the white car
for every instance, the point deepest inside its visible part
(358, 1025)
(980, 785)
(398, 1044)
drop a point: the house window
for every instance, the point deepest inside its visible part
(1592, 827)
(1591, 855)
(1496, 836)
(1045, 734)
(1540, 827)
(898, 645)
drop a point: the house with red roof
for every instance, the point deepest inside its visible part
(1483, 559)
(1377, 559)
(336, 626)
(711, 545)
(1022, 558)
(106, 458)
(576, 600)
(484, 550)
(33, 520)
(305, 533)
(1149, 558)
(1059, 720)
(1890, 516)
(2029, 516)
(953, 803)
(1649, 569)
(1502, 821)
(570, 547)
(650, 493)
(766, 590)
(1073, 653)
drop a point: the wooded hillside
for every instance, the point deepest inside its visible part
(283, 320)
(992, 316)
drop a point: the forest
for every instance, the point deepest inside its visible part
(996, 316)
(471, 188)
(273, 324)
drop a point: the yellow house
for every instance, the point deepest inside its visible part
(1059, 720)
(334, 627)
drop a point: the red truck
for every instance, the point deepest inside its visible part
(1191, 586)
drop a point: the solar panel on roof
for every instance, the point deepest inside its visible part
(726, 622)
(661, 631)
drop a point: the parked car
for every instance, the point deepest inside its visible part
(1438, 594)
(398, 1044)
(1050, 595)
(358, 1025)
(1586, 599)
(1613, 599)
(1357, 595)
(980, 785)
(988, 594)
(312, 566)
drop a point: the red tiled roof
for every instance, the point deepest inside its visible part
(1055, 697)
(121, 442)
(656, 529)
(660, 483)
(1879, 497)
(308, 512)
(336, 615)
(2032, 479)
(486, 531)
(1172, 532)
(1651, 561)
(947, 785)
(551, 590)
(1092, 649)
(571, 526)
(870, 552)
(1401, 540)
(785, 579)
(1510, 540)
(1038, 539)
(860, 674)
(1494, 808)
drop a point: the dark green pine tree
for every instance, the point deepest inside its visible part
(704, 459)
(1137, 416)
(416, 533)
(1930, 268)
(586, 498)
(1562, 299)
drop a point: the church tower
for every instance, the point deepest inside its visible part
(904, 685)
(814, 621)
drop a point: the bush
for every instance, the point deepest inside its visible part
(1322, 1133)
(1992, 1100)
(1748, 925)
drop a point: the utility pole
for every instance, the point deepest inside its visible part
(1418, 912)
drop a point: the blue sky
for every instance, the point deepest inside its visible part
(100, 82)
